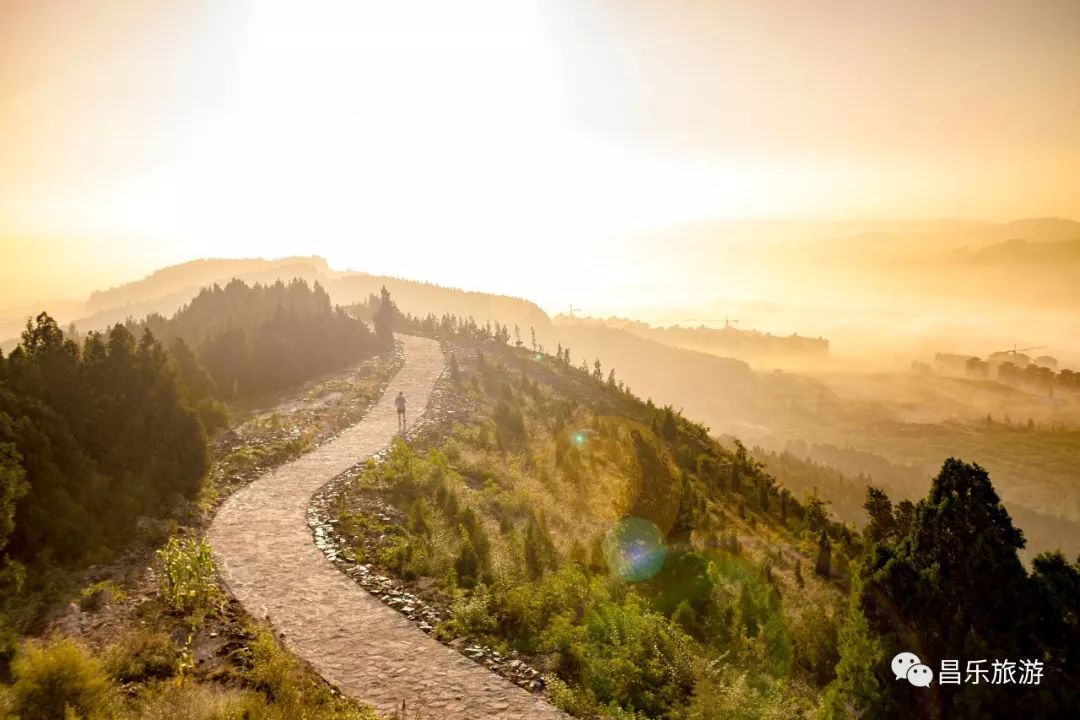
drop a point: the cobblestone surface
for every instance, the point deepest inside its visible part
(267, 557)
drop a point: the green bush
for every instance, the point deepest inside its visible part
(94, 595)
(190, 701)
(188, 580)
(526, 610)
(471, 614)
(57, 681)
(141, 655)
(402, 556)
(213, 413)
(628, 656)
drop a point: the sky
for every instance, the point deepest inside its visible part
(509, 145)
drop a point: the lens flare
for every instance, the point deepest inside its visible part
(580, 437)
(634, 549)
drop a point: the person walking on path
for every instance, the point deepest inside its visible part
(400, 402)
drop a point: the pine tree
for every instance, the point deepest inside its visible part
(467, 564)
(384, 319)
(953, 586)
(880, 511)
(823, 564)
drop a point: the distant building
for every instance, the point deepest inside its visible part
(977, 368)
(1018, 359)
(1046, 361)
(951, 363)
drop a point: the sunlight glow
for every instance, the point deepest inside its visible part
(387, 136)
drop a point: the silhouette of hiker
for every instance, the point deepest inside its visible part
(400, 402)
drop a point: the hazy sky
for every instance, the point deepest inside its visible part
(461, 142)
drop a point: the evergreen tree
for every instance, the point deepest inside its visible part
(817, 513)
(657, 497)
(467, 564)
(880, 511)
(13, 487)
(668, 429)
(384, 319)
(953, 587)
(540, 554)
(823, 564)
(90, 439)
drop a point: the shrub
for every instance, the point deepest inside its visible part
(190, 701)
(471, 615)
(400, 555)
(467, 565)
(140, 655)
(95, 596)
(213, 414)
(628, 656)
(188, 580)
(57, 679)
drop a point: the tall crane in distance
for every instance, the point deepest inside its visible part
(1015, 350)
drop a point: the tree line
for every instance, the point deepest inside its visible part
(91, 437)
(97, 431)
(260, 338)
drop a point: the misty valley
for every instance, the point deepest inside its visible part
(623, 520)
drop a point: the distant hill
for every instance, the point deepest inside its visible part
(163, 292)
(1033, 230)
(167, 290)
(749, 345)
(1022, 252)
(421, 298)
(196, 275)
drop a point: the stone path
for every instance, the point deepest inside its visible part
(265, 553)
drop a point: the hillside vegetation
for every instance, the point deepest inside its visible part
(110, 605)
(261, 338)
(649, 572)
(715, 601)
(91, 437)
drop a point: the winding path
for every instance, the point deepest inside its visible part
(269, 561)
